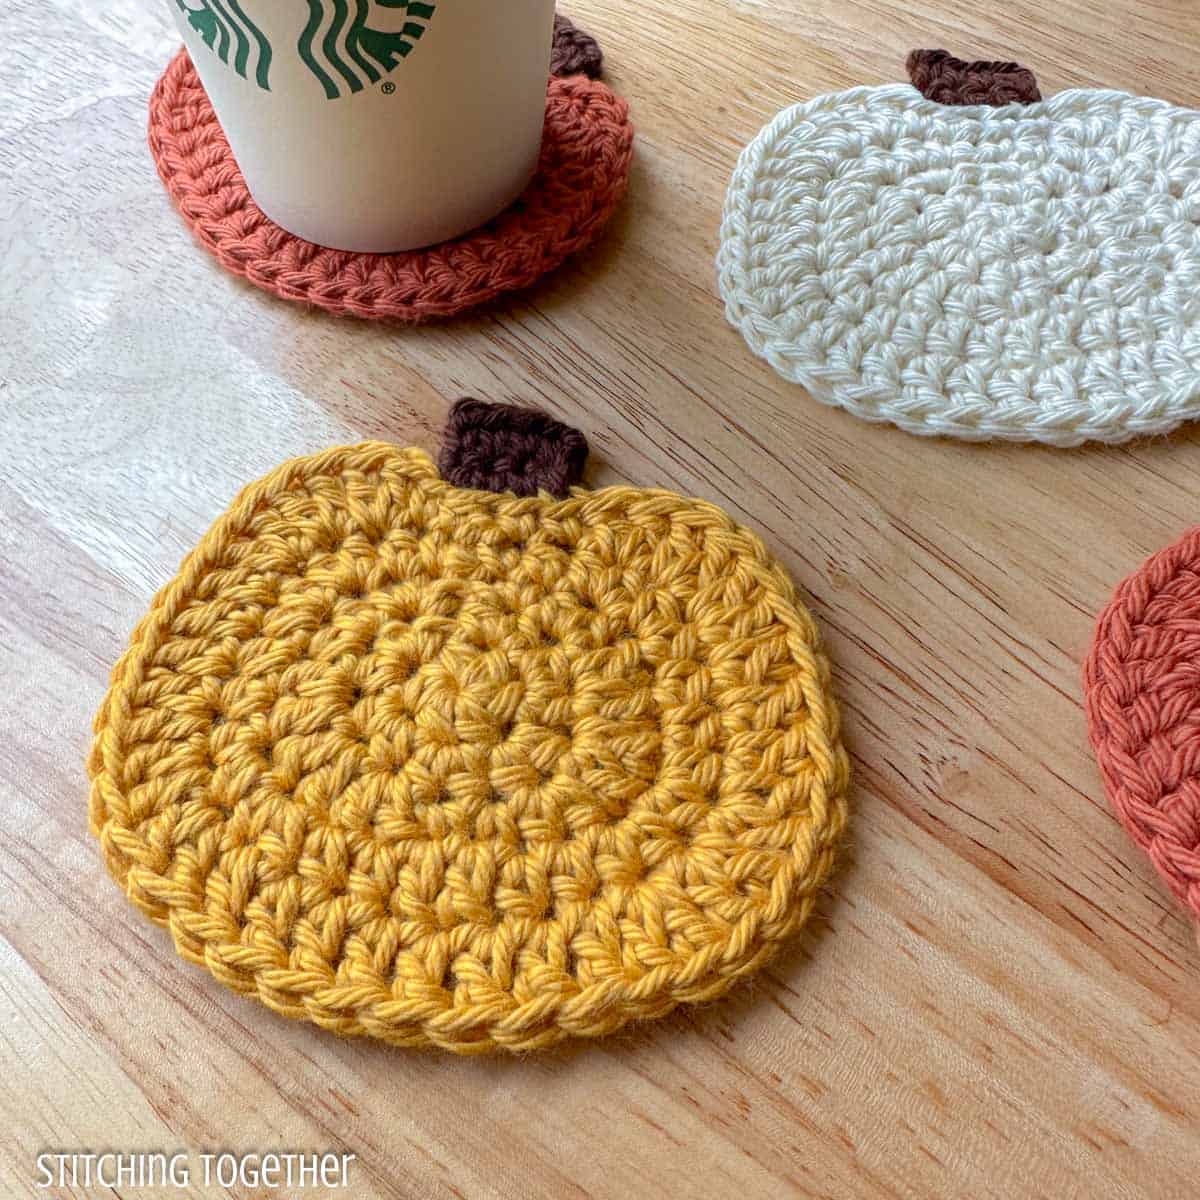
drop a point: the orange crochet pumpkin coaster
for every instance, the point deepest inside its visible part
(587, 148)
(471, 769)
(1142, 682)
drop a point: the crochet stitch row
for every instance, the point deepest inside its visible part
(1027, 273)
(464, 769)
(581, 178)
(1142, 684)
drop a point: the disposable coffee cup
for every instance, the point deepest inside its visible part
(376, 125)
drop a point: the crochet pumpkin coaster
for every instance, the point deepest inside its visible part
(587, 148)
(457, 768)
(1026, 272)
(1142, 683)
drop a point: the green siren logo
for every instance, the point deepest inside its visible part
(350, 43)
(346, 44)
(226, 30)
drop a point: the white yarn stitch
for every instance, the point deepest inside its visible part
(1030, 272)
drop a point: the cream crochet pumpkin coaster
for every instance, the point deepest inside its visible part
(479, 770)
(1029, 272)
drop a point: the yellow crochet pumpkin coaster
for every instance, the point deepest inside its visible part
(457, 768)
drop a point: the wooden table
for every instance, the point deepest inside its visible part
(998, 999)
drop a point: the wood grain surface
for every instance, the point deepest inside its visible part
(998, 999)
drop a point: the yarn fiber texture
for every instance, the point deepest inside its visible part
(462, 769)
(941, 77)
(1142, 684)
(574, 51)
(501, 448)
(586, 152)
(1027, 273)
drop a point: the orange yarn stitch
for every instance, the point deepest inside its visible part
(453, 768)
(1142, 682)
(584, 168)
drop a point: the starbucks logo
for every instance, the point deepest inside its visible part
(350, 43)
(346, 44)
(226, 30)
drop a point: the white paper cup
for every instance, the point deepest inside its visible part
(376, 125)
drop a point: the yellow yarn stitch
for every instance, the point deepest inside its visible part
(454, 768)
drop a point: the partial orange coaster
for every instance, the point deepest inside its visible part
(582, 175)
(1142, 684)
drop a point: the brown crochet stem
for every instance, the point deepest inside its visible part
(501, 448)
(941, 77)
(575, 52)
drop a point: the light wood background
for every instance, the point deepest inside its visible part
(998, 999)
